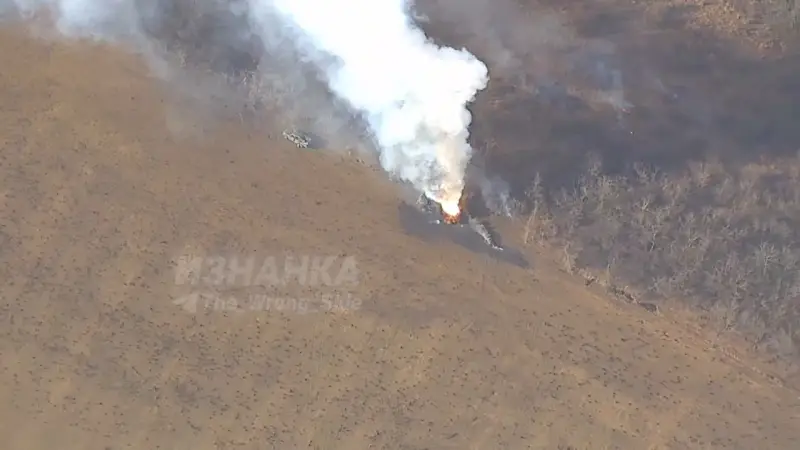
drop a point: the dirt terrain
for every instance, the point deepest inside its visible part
(448, 349)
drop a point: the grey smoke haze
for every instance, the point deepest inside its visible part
(108, 20)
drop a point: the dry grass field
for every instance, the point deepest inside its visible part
(448, 348)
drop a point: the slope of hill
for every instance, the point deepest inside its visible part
(447, 349)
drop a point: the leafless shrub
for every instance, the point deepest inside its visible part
(568, 258)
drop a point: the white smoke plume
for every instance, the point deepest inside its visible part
(412, 93)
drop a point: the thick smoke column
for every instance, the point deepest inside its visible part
(412, 92)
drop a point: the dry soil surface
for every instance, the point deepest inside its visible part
(448, 349)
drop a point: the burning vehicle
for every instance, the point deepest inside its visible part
(456, 215)
(448, 216)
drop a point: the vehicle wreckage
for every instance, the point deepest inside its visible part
(462, 219)
(297, 138)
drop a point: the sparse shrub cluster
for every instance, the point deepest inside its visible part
(778, 15)
(725, 240)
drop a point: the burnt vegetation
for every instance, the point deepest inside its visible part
(690, 197)
(717, 231)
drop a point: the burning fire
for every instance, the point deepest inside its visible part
(452, 211)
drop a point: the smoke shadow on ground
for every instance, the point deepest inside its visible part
(418, 224)
(691, 95)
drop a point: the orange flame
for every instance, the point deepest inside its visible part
(452, 219)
